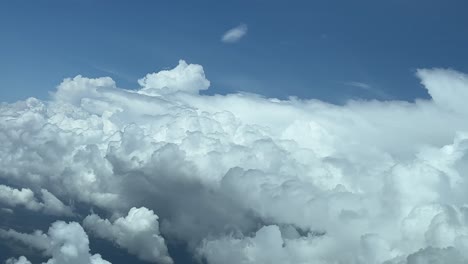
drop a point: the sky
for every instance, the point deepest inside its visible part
(309, 49)
(240, 132)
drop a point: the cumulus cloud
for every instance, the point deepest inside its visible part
(266, 246)
(79, 87)
(138, 232)
(446, 87)
(184, 78)
(66, 243)
(234, 175)
(25, 197)
(433, 256)
(14, 197)
(20, 260)
(235, 34)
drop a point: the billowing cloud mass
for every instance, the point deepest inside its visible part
(138, 232)
(234, 34)
(66, 243)
(240, 178)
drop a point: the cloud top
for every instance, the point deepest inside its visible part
(189, 78)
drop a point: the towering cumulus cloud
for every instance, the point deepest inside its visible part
(240, 178)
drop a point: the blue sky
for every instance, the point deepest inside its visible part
(330, 50)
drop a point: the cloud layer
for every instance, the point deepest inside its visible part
(240, 178)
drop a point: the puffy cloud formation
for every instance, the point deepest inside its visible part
(25, 197)
(66, 243)
(234, 34)
(184, 77)
(73, 90)
(14, 197)
(20, 260)
(138, 232)
(446, 87)
(244, 179)
(266, 246)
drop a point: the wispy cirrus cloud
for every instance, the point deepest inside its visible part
(235, 34)
(361, 85)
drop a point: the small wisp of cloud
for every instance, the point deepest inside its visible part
(361, 85)
(368, 88)
(235, 34)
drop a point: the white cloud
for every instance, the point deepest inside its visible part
(433, 256)
(364, 182)
(14, 197)
(446, 87)
(73, 90)
(25, 197)
(235, 34)
(66, 243)
(184, 77)
(20, 260)
(267, 246)
(138, 232)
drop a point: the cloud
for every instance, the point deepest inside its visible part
(52, 205)
(232, 175)
(66, 243)
(20, 260)
(253, 249)
(446, 87)
(138, 232)
(184, 78)
(361, 85)
(25, 197)
(433, 255)
(73, 90)
(14, 197)
(235, 34)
